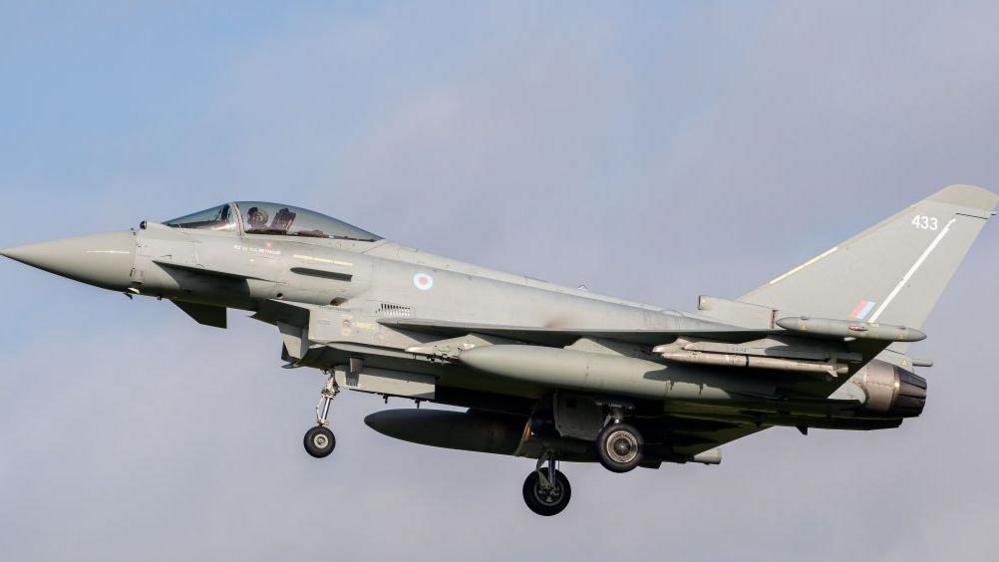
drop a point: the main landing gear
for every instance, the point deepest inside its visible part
(619, 447)
(319, 441)
(547, 490)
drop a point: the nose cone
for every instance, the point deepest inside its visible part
(104, 260)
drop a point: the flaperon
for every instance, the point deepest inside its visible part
(543, 371)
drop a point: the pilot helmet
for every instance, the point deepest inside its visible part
(256, 215)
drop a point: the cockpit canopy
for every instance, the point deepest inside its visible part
(258, 217)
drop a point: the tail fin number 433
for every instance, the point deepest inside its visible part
(924, 222)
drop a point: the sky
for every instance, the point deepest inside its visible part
(652, 151)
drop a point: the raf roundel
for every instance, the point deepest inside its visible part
(423, 281)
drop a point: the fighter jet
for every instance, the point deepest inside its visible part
(546, 372)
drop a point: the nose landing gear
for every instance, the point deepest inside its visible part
(547, 490)
(319, 441)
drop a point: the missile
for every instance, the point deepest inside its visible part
(751, 361)
(711, 456)
(606, 373)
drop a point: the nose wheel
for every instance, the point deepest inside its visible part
(319, 441)
(547, 490)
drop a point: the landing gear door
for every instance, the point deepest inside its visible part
(579, 417)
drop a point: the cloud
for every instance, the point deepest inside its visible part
(654, 152)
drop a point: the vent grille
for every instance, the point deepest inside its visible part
(393, 310)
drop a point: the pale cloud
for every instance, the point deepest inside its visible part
(651, 153)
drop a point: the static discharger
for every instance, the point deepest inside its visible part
(850, 329)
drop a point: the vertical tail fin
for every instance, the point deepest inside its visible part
(893, 272)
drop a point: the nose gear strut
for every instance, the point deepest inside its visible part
(319, 440)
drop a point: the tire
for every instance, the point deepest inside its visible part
(547, 502)
(319, 442)
(619, 447)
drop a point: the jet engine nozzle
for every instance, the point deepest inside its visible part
(911, 397)
(892, 391)
(104, 260)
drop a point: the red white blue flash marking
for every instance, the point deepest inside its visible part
(862, 309)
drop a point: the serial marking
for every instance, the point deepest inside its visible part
(322, 260)
(925, 222)
(803, 266)
(256, 250)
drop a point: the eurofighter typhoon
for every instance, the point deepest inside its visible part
(546, 372)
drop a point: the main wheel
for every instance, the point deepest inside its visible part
(547, 501)
(319, 441)
(619, 447)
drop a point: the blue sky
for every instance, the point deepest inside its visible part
(654, 151)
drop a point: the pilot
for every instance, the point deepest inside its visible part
(283, 219)
(256, 219)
